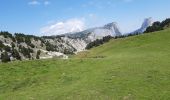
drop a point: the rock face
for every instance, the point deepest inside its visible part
(113, 27)
(147, 22)
(78, 44)
(110, 29)
(79, 40)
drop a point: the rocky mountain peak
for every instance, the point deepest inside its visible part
(113, 27)
(146, 23)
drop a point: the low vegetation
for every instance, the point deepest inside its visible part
(98, 42)
(132, 68)
(25, 47)
(157, 26)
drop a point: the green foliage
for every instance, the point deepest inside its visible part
(26, 38)
(6, 34)
(13, 45)
(38, 54)
(16, 54)
(1, 44)
(7, 48)
(50, 47)
(19, 37)
(26, 51)
(3, 47)
(165, 23)
(5, 57)
(98, 42)
(157, 26)
(67, 51)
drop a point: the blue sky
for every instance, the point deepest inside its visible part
(45, 16)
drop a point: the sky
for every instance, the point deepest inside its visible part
(53, 17)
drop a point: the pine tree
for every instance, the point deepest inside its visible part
(38, 54)
(4, 57)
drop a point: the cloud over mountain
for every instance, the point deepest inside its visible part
(58, 28)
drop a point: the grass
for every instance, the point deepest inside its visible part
(134, 68)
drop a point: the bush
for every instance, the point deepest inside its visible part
(31, 45)
(19, 37)
(26, 51)
(13, 45)
(4, 57)
(157, 26)
(50, 47)
(67, 51)
(7, 48)
(1, 44)
(98, 42)
(6, 34)
(15, 54)
(38, 54)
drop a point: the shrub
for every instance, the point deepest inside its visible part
(38, 54)
(98, 42)
(4, 57)
(26, 51)
(13, 45)
(7, 48)
(6, 34)
(157, 26)
(15, 54)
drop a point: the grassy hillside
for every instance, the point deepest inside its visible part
(134, 68)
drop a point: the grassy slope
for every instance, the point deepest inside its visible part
(134, 68)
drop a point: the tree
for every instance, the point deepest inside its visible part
(98, 42)
(26, 51)
(157, 26)
(1, 44)
(7, 48)
(15, 54)
(6, 34)
(38, 54)
(4, 57)
(165, 23)
(67, 51)
(13, 45)
(50, 47)
(19, 37)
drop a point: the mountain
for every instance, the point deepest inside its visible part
(147, 22)
(79, 40)
(113, 27)
(92, 34)
(26, 47)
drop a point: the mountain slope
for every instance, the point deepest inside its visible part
(26, 47)
(132, 68)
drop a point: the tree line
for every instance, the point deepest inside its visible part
(157, 26)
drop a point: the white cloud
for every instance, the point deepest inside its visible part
(34, 2)
(46, 3)
(58, 28)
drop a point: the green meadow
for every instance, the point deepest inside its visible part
(132, 68)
